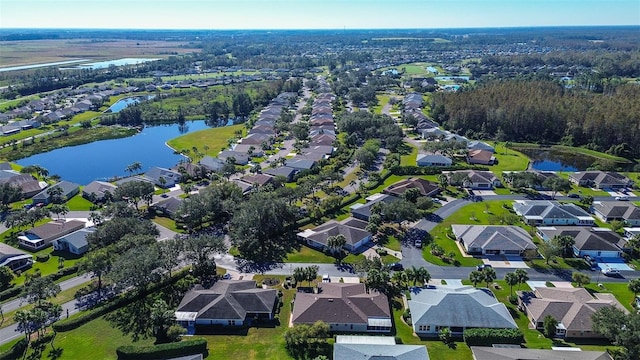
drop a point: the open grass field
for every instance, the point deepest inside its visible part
(16, 53)
(215, 139)
(78, 203)
(508, 160)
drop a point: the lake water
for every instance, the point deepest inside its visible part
(104, 159)
(117, 62)
(123, 103)
(34, 66)
(451, 78)
(552, 160)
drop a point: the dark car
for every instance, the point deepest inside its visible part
(574, 196)
(396, 266)
(483, 266)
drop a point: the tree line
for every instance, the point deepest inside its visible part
(545, 112)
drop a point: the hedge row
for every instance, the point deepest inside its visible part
(488, 337)
(162, 351)
(123, 300)
(16, 351)
(429, 170)
(16, 290)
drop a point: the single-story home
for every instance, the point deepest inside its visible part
(345, 308)
(600, 179)
(98, 191)
(29, 185)
(363, 211)
(518, 353)
(301, 164)
(240, 158)
(168, 206)
(546, 212)
(163, 177)
(630, 232)
(257, 179)
(248, 150)
(477, 180)
(14, 259)
(75, 243)
(354, 347)
(608, 211)
(571, 307)
(435, 160)
(285, 171)
(480, 145)
(211, 163)
(69, 190)
(226, 303)
(41, 236)
(481, 157)
(352, 229)
(493, 239)
(457, 308)
(425, 187)
(595, 242)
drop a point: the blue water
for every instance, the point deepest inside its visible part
(104, 159)
(550, 165)
(118, 62)
(123, 103)
(451, 77)
(432, 69)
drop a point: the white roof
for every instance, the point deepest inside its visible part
(186, 316)
(359, 339)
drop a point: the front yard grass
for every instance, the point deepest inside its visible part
(411, 158)
(306, 254)
(48, 267)
(168, 223)
(78, 203)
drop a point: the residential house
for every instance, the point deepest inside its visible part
(97, 191)
(425, 187)
(285, 171)
(248, 150)
(481, 157)
(571, 307)
(301, 164)
(546, 212)
(244, 186)
(434, 160)
(322, 139)
(493, 239)
(227, 303)
(355, 347)
(240, 158)
(69, 190)
(480, 145)
(457, 308)
(256, 139)
(434, 133)
(518, 353)
(528, 178)
(211, 163)
(477, 180)
(353, 230)
(608, 211)
(257, 179)
(363, 211)
(345, 308)
(5, 166)
(75, 243)
(601, 179)
(163, 177)
(168, 206)
(28, 185)
(630, 232)
(595, 242)
(14, 259)
(41, 236)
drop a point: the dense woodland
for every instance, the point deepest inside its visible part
(545, 112)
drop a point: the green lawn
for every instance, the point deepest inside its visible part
(215, 139)
(308, 255)
(78, 203)
(168, 223)
(50, 266)
(619, 290)
(508, 160)
(480, 213)
(409, 159)
(382, 101)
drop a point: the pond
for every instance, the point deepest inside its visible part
(105, 159)
(123, 103)
(555, 160)
(34, 66)
(117, 62)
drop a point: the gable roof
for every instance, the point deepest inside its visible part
(616, 209)
(99, 188)
(433, 158)
(600, 177)
(170, 204)
(586, 238)
(155, 173)
(477, 177)
(228, 299)
(281, 171)
(484, 156)
(340, 303)
(66, 186)
(257, 179)
(546, 209)
(364, 210)
(573, 307)
(496, 353)
(425, 187)
(7, 253)
(56, 228)
(379, 352)
(459, 306)
(212, 163)
(493, 237)
(78, 238)
(352, 229)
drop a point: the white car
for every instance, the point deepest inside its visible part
(326, 278)
(610, 271)
(622, 198)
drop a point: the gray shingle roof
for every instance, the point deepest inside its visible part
(493, 237)
(492, 353)
(379, 352)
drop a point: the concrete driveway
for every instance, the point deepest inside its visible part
(500, 261)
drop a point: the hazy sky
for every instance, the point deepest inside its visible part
(313, 14)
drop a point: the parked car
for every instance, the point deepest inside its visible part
(622, 198)
(226, 276)
(574, 196)
(396, 266)
(418, 243)
(483, 266)
(610, 271)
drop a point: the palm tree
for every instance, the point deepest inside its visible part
(411, 275)
(523, 277)
(476, 277)
(511, 279)
(299, 275)
(400, 279)
(423, 275)
(336, 242)
(443, 180)
(489, 275)
(565, 242)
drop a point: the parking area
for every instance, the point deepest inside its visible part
(614, 263)
(502, 261)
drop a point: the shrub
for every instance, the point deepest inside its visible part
(42, 257)
(162, 351)
(488, 337)
(16, 351)
(10, 292)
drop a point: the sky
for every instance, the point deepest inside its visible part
(314, 14)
